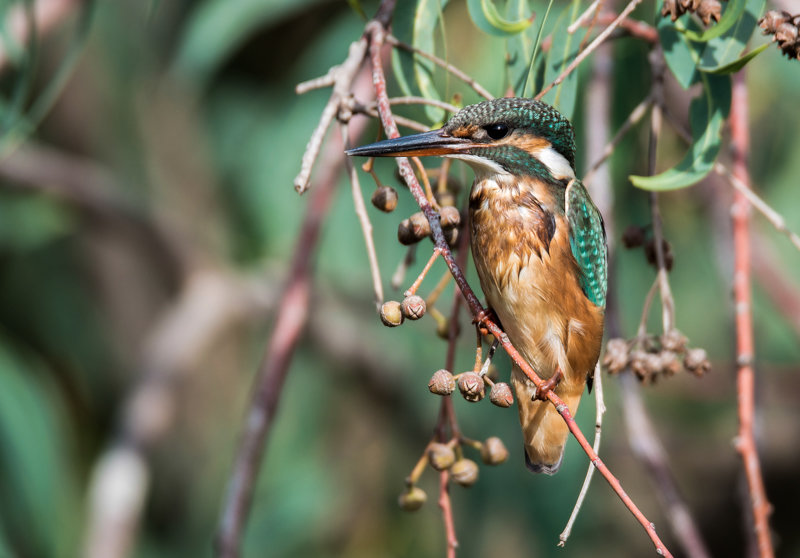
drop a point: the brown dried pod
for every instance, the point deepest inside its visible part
(639, 364)
(696, 361)
(441, 456)
(419, 225)
(708, 10)
(672, 9)
(391, 313)
(633, 237)
(443, 329)
(451, 236)
(786, 34)
(412, 499)
(493, 451)
(674, 341)
(385, 198)
(772, 19)
(470, 384)
(413, 307)
(670, 363)
(464, 472)
(652, 257)
(616, 357)
(450, 216)
(442, 383)
(501, 395)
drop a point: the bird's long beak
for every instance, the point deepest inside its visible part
(435, 142)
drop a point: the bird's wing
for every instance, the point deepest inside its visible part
(587, 239)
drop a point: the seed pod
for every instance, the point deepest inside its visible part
(674, 341)
(450, 216)
(391, 313)
(442, 383)
(385, 198)
(616, 357)
(451, 237)
(471, 386)
(493, 451)
(419, 225)
(633, 236)
(441, 456)
(639, 364)
(772, 19)
(786, 34)
(413, 307)
(443, 328)
(670, 363)
(708, 10)
(501, 395)
(412, 499)
(464, 472)
(696, 361)
(445, 198)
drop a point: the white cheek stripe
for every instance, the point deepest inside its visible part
(555, 162)
(481, 166)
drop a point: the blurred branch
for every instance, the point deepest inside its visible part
(782, 292)
(47, 14)
(745, 346)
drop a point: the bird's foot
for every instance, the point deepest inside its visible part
(487, 314)
(547, 386)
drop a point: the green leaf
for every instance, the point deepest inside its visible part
(739, 63)
(707, 114)
(534, 65)
(726, 49)
(418, 28)
(518, 48)
(731, 15)
(485, 15)
(681, 55)
(563, 51)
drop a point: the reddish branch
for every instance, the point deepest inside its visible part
(745, 442)
(376, 34)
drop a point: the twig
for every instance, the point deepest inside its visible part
(589, 49)
(745, 346)
(782, 292)
(646, 447)
(636, 28)
(447, 512)
(412, 100)
(370, 110)
(363, 219)
(600, 409)
(463, 76)
(633, 118)
(345, 73)
(399, 274)
(581, 19)
(377, 36)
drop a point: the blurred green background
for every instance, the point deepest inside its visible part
(168, 158)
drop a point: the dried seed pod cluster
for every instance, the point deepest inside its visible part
(705, 9)
(785, 30)
(472, 386)
(416, 227)
(394, 313)
(636, 236)
(653, 356)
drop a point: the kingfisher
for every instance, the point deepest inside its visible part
(539, 246)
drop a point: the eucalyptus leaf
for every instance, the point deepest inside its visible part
(563, 51)
(739, 63)
(726, 49)
(486, 17)
(681, 54)
(733, 11)
(518, 48)
(707, 114)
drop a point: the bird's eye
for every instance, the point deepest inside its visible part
(497, 131)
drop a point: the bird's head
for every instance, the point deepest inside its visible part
(503, 136)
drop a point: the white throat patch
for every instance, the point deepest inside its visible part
(555, 162)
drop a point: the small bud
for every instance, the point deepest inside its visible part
(445, 198)
(696, 361)
(413, 307)
(708, 10)
(616, 357)
(501, 395)
(633, 236)
(493, 451)
(442, 383)
(412, 499)
(464, 472)
(391, 313)
(471, 386)
(450, 216)
(441, 456)
(385, 198)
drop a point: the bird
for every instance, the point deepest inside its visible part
(539, 246)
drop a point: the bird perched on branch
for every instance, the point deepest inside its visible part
(538, 243)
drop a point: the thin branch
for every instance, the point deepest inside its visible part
(363, 219)
(581, 19)
(779, 288)
(412, 100)
(371, 111)
(745, 346)
(636, 28)
(600, 409)
(463, 76)
(592, 46)
(377, 37)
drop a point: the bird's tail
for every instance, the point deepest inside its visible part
(544, 432)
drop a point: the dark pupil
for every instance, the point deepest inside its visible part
(497, 131)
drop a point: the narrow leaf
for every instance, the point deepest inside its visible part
(707, 114)
(486, 17)
(739, 63)
(563, 51)
(726, 49)
(681, 55)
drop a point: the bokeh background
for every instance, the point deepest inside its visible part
(146, 222)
